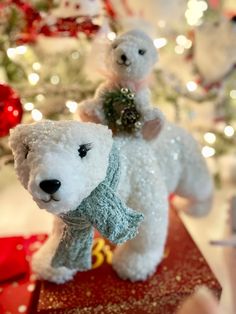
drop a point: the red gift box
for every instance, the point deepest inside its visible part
(17, 283)
(12, 258)
(100, 290)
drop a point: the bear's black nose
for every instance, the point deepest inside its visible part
(123, 57)
(50, 186)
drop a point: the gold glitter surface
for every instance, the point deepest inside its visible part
(178, 278)
(101, 291)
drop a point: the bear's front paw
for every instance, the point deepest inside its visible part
(134, 265)
(43, 270)
(152, 128)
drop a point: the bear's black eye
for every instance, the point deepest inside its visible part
(83, 149)
(142, 52)
(114, 46)
(27, 149)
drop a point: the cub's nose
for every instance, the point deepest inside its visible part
(50, 186)
(123, 57)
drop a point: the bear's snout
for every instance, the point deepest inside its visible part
(123, 59)
(50, 186)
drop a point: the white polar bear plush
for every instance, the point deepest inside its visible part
(130, 60)
(150, 171)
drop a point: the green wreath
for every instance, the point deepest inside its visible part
(120, 111)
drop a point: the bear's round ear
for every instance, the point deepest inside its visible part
(19, 128)
(17, 134)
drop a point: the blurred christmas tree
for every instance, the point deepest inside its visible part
(44, 46)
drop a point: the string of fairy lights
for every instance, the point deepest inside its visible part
(34, 76)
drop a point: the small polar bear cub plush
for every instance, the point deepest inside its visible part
(130, 60)
(150, 171)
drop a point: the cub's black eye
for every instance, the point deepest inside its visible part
(27, 149)
(83, 149)
(142, 52)
(233, 19)
(114, 46)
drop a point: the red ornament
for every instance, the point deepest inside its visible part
(11, 110)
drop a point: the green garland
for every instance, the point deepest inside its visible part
(120, 111)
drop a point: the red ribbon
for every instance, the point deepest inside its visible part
(109, 9)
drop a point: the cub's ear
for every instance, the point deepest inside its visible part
(17, 135)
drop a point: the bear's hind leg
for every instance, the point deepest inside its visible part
(197, 186)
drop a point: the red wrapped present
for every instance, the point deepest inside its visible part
(12, 258)
(100, 290)
(17, 283)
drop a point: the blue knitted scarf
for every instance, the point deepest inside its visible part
(102, 209)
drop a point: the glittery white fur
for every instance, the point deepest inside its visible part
(130, 73)
(215, 49)
(150, 171)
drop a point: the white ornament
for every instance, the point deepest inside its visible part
(215, 49)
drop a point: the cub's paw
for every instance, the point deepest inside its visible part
(152, 128)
